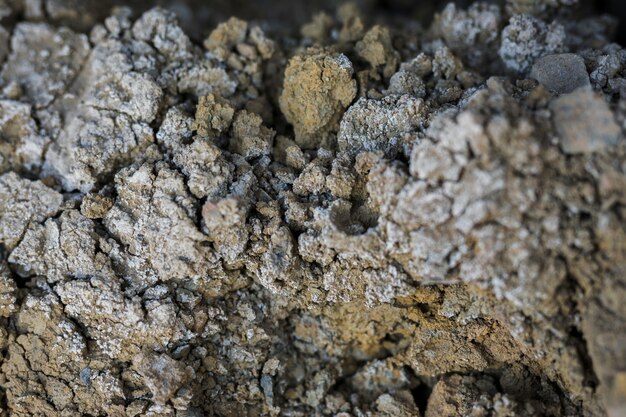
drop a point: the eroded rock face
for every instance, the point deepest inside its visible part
(367, 220)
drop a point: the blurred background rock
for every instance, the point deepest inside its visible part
(198, 17)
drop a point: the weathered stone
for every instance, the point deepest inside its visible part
(562, 73)
(584, 122)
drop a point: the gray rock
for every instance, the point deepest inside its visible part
(21, 144)
(43, 61)
(526, 38)
(379, 125)
(23, 201)
(584, 122)
(561, 73)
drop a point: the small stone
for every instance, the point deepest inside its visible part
(397, 406)
(213, 116)
(310, 181)
(85, 376)
(41, 79)
(271, 366)
(526, 38)
(561, 73)
(22, 146)
(163, 375)
(247, 50)
(268, 388)
(249, 137)
(459, 395)
(95, 206)
(376, 48)
(227, 34)
(584, 122)
(379, 125)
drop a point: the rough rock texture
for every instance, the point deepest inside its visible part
(561, 73)
(317, 89)
(527, 38)
(373, 218)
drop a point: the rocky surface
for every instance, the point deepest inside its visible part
(355, 216)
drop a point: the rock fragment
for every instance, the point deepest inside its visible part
(160, 28)
(109, 124)
(162, 243)
(562, 73)
(465, 395)
(410, 78)
(99, 304)
(68, 249)
(212, 116)
(21, 202)
(227, 34)
(163, 375)
(379, 125)
(526, 38)
(472, 33)
(250, 138)
(318, 86)
(400, 405)
(225, 223)
(584, 122)
(42, 80)
(22, 145)
(208, 172)
(376, 48)
(95, 206)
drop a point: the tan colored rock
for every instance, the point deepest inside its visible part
(96, 206)
(584, 122)
(376, 48)
(212, 116)
(318, 86)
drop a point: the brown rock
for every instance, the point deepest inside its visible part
(318, 86)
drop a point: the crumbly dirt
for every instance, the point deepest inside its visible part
(360, 214)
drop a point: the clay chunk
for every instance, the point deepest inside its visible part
(318, 86)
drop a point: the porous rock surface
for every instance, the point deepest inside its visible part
(369, 218)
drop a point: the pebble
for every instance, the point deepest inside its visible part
(560, 73)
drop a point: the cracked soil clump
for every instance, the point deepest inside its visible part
(374, 217)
